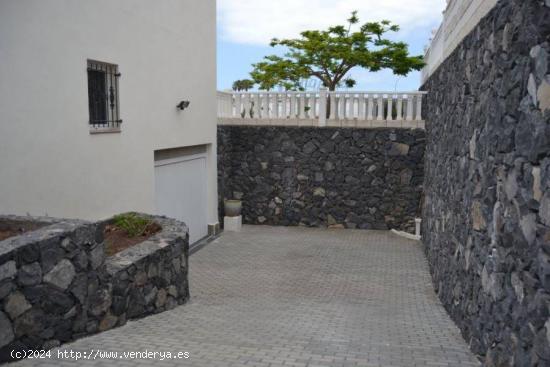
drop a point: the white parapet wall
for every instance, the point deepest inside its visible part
(459, 18)
(322, 108)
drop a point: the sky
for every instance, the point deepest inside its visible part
(245, 28)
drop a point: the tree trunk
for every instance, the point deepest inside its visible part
(331, 88)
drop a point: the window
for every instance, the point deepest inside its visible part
(103, 96)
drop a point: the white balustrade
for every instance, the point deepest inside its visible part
(322, 107)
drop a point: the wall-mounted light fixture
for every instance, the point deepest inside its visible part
(183, 105)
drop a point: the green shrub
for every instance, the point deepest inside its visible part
(134, 224)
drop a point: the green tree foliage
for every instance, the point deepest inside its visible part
(242, 84)
(329, 55)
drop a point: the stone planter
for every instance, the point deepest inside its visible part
(57, 284)
(233, 208)
(12, 226)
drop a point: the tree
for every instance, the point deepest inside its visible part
(275, 71)
(243, 84)
(329, 55)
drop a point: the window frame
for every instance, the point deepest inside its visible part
(109, 99)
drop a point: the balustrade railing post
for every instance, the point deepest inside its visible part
(333, 106)
(342, 106)
(307, 106)
(225, 107)
(370, 108)
(361, 107)
(284, 108)
(322, 106)
(256, 109)
(418, 107)
(246, 105)
(399, 116)
(238, 110)
(275, 100)
(389, 115)
(355, 99)
(311, 112)
(272, 102)
(230, 102)
(293, 105)
(302, 106)
(380, 107)
(409, 107)
(315, 101)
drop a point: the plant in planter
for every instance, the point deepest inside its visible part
(126, 230)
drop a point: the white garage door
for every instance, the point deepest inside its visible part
(180, 190)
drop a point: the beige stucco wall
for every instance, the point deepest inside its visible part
(49, 162)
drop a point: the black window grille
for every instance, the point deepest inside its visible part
(103, 92)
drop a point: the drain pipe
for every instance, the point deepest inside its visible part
(417, 222)
(415, 236)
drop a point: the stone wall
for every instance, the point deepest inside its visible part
(337, 177)
(486, 213)
(56, 284)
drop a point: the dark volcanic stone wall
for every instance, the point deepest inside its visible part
(487, 184)
(339, 177)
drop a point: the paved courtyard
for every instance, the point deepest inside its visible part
(281, 297)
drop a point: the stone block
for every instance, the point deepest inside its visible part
(543, 94)
(30, 274)
(8, 270)
(61, 275)
(6, 330)
(16, 304)
(398, 149)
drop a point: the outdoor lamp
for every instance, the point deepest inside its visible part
(183, 105)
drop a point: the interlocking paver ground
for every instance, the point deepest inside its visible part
(287, 296)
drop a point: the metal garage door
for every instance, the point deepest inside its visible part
(180, 191)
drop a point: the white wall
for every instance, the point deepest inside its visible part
(459, 19)
(49, 161)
